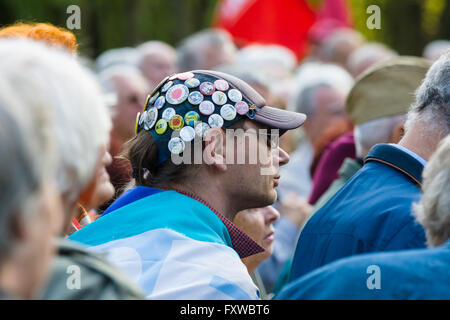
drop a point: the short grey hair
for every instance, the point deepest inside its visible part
(312, 76)
(433, 209)
(151, 47)
(189, 51)
(432, 103)
(27, 155)
(373, 132)
(368, 54)
(80, 120)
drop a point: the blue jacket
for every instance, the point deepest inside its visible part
(371, 212)
(409, 274)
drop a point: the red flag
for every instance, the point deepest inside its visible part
(284, 22)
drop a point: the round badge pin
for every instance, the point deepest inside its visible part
(185, 75)
(219, 98)
(206, 107)
(235, 95)
(176, 122)
(241, 107)
(177, 94)
(195, 97)
(159, 103)
(201, 128)
(150, 119)
(168, 114)
(166, 86)
(221, 85)
(215, 120)
(207, 88)
(228, 112)
(191, 118)
(141, 119)
(153, 98)
(192, 83)
(187, 133)
(176, 145)
(161, 126)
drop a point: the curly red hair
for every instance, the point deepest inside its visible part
(46, 32)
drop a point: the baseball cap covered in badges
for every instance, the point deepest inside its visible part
(386, 89)
(202, 99)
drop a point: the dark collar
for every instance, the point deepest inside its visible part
(242, 243)
(397, 159)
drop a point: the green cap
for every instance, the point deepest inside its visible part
(386, 89)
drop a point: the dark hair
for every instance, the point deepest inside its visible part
(142, 152)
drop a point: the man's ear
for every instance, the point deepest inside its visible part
(214, 153)
(397, 132)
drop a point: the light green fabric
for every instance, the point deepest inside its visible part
(99, 280)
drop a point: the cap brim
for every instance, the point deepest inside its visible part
(279, 119)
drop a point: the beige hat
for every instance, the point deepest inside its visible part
(386, 89)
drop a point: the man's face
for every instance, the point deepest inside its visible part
(130, 100)
(156, 66)
(253, 181)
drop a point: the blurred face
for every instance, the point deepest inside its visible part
(156, 66)
(214, 56)
(100, 189)
(329, 111)
(255, 180)
(37, 239)
(131, 98)
(258, 225)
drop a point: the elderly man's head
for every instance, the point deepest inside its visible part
(156, 61)
(429, 117)
(433, 210)
(30, 205)
(380, 99)
(321, 96)
(206, 49)
(130, 89)
(339, 45)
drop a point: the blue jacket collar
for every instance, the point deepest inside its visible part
(397, 159)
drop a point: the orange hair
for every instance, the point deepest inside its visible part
(45, 32)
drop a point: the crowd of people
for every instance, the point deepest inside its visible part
(208, 171)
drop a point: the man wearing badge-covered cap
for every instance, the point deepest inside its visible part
(173, 232)
(372, 211)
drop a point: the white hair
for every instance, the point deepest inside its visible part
(151, 47)
(432, 103)
(375, 131)
(341, 36)
(435, 49)
(80, 119)
(313, 75)
(111, 57)
(190, 55)
(433, 209)
(27, 155)
(106, 78)
(258, 55)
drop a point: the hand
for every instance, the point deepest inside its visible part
(296, 208)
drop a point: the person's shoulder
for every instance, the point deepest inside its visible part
(406, 274)
(81, 274)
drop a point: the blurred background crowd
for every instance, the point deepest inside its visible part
(299, 55)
